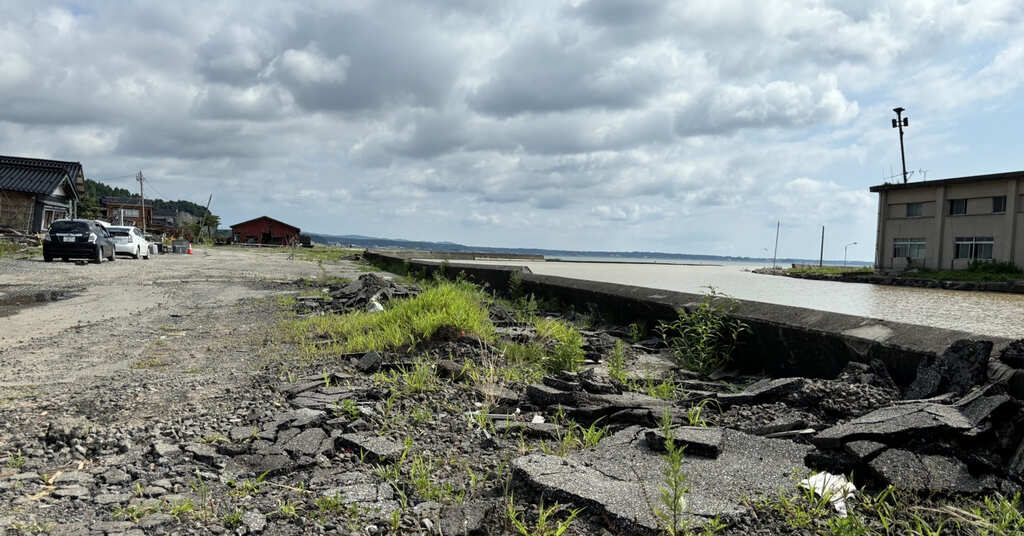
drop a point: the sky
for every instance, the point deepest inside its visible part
(621, 125)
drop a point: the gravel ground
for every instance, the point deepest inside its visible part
(134, 349)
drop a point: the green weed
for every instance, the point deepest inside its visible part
(703, 339)
(16, 461)
(455, 307)
(617, 363)
(673, 490)
(567, 353)
(546, 525)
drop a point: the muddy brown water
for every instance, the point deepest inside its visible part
(984, 313)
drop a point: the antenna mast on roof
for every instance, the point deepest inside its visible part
(901, 122)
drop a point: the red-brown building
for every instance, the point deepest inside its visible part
(264, 230)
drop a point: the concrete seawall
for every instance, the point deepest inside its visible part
(783, 341)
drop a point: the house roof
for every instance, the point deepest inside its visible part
(73, 169)
(124, 201)
(35, 176)
(265, 218)
(1009, 175)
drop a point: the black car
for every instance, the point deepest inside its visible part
(80, 239)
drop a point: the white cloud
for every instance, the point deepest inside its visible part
(593, 124)
(309, 66)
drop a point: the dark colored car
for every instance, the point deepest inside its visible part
(79, 239)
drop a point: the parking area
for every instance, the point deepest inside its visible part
(68, 324)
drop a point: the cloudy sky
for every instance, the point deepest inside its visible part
(599, 124)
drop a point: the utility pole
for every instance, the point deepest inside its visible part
(821, 255)
(142, 201)
(204, 218)
(776, 254)
(901, 122)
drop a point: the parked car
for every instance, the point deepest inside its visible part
(129, 240)
(79, 239)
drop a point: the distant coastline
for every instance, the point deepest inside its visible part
(625, 257)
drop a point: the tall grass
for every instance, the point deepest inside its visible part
(454, 306)
(567, 352)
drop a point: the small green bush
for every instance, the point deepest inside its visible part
(703, 340)
(994, 267)
(567, 353)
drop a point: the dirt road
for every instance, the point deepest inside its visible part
(165, 344)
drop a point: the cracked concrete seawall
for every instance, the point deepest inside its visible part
(784, 340)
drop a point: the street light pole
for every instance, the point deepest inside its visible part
(844, 251)
(901, 122)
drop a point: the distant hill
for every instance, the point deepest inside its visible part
(394, 243)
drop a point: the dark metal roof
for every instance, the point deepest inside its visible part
(32, 179)
(266, 218)
(73, 169)
(1009, 175)
(124, 201)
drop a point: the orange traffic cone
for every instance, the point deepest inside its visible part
(189, 248)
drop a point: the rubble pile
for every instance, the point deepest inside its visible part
(18, 237)
(369, 293)
(347, 447)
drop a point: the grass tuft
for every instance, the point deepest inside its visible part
(454, 307)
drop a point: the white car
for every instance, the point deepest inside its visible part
(129, 241)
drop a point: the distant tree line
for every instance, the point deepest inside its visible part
(89, 205)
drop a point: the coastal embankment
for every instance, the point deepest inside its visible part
(786, 340)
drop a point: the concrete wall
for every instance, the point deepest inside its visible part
(783, 341)
(17, 210)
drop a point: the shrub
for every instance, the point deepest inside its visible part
(567, 342)
(703, 340)
(994, 267)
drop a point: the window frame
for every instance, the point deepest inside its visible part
(957, 202)
(996, 202)
(975, 245)
(909, 246)
(919, 212)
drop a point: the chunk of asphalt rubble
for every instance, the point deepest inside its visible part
(369, 363)
(74, 477)
(76, 492)
(925, 473)
(864, 450)
(607, 480)
(311, 442)
(254, 521)
(464, 519)
(961, 367)
(497, 395)
(922, 420)
(541, 430)
(202, 452)
(761, 391)
(697, 441)
(376, 448)
(166, 450)
(304, 417)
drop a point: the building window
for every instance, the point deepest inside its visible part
(999, 203)
(973, 247)
(912, 248)
(957, 207)
(915, 210)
